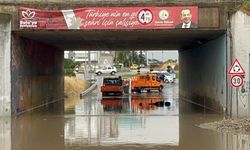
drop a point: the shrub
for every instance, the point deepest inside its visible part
(69, 63)
(69, 72)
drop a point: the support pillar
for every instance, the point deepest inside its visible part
(5, 60)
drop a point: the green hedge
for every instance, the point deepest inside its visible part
(69, 72)
(69, 63)
(123, 69)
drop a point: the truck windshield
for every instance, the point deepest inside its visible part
(112, 82)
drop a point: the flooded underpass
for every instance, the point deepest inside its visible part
(36, 35)
(139, 121)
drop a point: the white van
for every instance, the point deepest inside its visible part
(110, 69)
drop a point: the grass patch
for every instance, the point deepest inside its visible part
(123, 69)
(177, 74)
(74, 86)
(125, 76)
(69, 72)
(245, 7)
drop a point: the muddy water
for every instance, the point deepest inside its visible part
(130, 122)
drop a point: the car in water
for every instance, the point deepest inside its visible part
(142, 66)
(164, 76)
(106, 70)
(172, 73)
(167, 77)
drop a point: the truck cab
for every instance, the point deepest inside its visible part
(112, 86)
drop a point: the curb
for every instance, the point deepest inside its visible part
(91, 88)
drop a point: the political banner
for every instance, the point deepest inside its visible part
(110, 18)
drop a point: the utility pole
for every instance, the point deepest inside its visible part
(86, 71)
(89, 61)
(98, 57)
(132, 57)
(162, 56)
(141, 57)
(152, 62)
(115, 58)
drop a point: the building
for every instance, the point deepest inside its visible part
(97, 58)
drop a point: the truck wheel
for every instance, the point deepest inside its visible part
(99, 73)
(112, 73)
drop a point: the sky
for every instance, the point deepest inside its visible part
(163, 55)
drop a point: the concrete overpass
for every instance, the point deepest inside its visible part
(32, 60)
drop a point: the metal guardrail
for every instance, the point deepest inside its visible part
(91, 88)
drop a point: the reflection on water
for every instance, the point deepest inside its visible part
(42, 132)
(121, 130)
(239, 142)
(121, 120)
(140, 122)
(152, 104)
(33, 132)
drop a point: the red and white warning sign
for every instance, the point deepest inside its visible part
(145, 16)
(236, 80)
(236, 68)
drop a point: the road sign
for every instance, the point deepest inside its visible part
(236, 68)
(236, 80)
(145, 16)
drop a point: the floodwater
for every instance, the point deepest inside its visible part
(141, 121)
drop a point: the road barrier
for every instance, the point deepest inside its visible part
(91, 88)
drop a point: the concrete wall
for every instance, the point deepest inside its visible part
(240, 25)
(203, 74)
(37, 74)
(5, 84)
(5, 133)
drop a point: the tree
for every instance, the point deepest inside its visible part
(142, 58)
(169, 68)
(246, 6)
(127, 58)
(123, 57)
(69, 63)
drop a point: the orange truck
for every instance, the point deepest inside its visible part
(146, 82)
(112, 86)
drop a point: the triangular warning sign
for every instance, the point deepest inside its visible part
(236, 68)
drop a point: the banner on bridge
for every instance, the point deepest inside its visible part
(110, 18)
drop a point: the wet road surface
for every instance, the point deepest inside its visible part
(141, 121)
